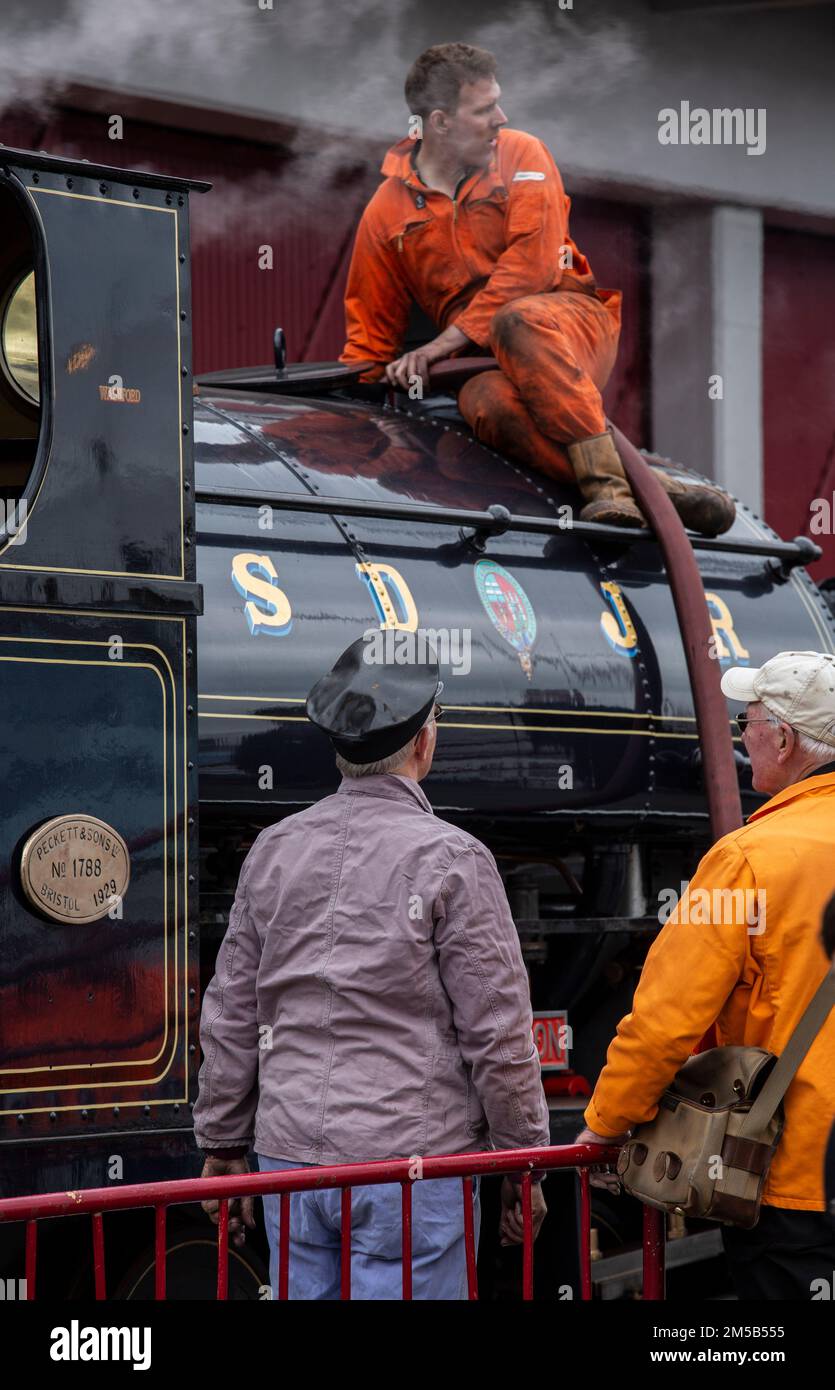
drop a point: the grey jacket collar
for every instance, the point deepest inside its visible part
(389, 787)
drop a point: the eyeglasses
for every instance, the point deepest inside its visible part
(438, 713)
(742, 722)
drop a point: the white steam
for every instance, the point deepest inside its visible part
(56, 41)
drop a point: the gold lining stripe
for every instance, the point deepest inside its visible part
(486, 709)
(91, 1105)
(504, 728)
(96, 198)
(124, 665)
(90, 613)
(148, 1081)
(270, 718)
(185, 867)
(71, 569)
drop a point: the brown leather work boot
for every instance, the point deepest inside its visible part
(602, 481)
(701, 506)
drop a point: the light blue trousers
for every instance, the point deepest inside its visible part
(439, 1269)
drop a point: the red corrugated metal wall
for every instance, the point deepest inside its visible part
(614, 236)
(302, 203)
(799, 385)
(303, 199)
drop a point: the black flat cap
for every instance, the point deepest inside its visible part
(371, 704)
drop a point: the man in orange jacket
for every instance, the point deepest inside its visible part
(471, 223)
(828, 940)
(752, 962)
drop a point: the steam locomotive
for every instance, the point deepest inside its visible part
(179, 563)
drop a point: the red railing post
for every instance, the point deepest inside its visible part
(527, 1238)
(585, 1235)
(654, 1251)
(469, 1240)
(345, 1250)
(98, 1257)
(159, 1253)
(31, 1258)
(223, 1249)
(407, 1237)
(284, 1246)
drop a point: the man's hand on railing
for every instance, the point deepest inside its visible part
(511, 1224)
(241, 1212)
(414, 366)
(607, 1178)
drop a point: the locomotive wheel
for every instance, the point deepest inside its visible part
(618, 1222)
(191, 1271)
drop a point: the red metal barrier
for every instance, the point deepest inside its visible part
(161, 1195)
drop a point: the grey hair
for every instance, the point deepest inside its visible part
(815, 748)
(389, 764)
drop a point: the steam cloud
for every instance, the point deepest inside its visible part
(72, 39)
(336, 66)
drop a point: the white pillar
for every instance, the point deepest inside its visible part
(707, 339)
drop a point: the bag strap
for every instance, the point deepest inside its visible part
(781, 1075)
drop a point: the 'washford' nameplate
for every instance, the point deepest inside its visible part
(75, 868)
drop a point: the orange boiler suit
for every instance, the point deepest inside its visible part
(498, 262)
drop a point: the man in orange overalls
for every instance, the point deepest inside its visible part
(471, 222)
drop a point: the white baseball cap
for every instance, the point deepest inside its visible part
(797, 687)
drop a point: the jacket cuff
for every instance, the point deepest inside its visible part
(593, 1120)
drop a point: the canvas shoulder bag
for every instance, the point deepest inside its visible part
(708, 1150)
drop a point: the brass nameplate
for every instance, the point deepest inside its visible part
(75, 868)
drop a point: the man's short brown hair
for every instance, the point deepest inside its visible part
(435, 79)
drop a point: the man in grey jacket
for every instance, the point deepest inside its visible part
(370, 1001)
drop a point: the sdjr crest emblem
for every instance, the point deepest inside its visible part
(508, 608)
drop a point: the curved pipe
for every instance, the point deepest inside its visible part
(721, 782)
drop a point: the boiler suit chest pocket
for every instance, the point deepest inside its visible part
(423, 252)
(485, 221)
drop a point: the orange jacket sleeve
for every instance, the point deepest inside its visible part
(377, 302)
(691, 968)
(536, 227)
